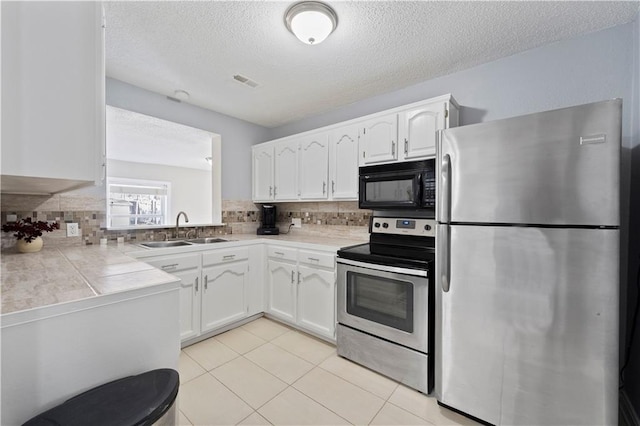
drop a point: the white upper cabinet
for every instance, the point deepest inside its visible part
(379, 139)
(417, 130)
(286, 171)
(314, 167)
(322, 164)
(263, 162)
(344, 163)
(53, 84)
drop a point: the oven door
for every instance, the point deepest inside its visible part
(387, 302)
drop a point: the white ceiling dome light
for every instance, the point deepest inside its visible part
(311, 21)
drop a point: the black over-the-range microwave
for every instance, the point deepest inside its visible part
(398, 186)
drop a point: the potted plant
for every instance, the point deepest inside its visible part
(29, 233)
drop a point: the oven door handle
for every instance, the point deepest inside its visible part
(384, 268)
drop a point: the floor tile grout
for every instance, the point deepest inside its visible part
(314, 367)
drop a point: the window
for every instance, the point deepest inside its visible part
(135, 202)
(148, 158)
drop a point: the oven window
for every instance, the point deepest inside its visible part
(390, 191)
(381, 300)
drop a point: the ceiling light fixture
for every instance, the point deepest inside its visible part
(311, 21)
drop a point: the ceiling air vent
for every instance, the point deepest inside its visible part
(245, 80)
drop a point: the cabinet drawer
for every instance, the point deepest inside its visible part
(175, 263)
(284, 253)
(226, 255)
(315, 258)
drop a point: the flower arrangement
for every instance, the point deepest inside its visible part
(28, 230)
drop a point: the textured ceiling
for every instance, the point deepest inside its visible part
(144, 139)
(378, 47)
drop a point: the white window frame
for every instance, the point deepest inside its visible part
(161, 185)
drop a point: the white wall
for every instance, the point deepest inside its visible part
(571, 72)
(190, 188)
(237, 135)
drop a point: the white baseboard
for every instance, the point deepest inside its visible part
(630, 417)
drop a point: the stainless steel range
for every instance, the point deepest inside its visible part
(386, 300)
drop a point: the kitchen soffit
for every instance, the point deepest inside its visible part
(378, 47)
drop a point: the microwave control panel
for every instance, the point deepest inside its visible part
(403, 226)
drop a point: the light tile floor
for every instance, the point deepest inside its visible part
(266, 373)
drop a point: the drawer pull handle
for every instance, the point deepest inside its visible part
(228, 257)
(172, 266)
(291, 277)
(206, 282)
(196, 284)
(279, 253)
(313, 259)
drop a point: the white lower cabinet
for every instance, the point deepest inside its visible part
(224, 295)
(216, 287)
(301, 289)
(282, 289)
(223, 286)
(316, 300)
(187, 268)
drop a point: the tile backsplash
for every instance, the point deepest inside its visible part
(339, 219)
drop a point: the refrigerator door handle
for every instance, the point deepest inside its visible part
(445, 189)
(443, 256)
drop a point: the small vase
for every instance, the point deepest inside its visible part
(31, 247)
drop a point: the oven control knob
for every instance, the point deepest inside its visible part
(377, 224)
(385, 225)
(427, 227)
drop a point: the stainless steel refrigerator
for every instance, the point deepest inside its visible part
(528, 267)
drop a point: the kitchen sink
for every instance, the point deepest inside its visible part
(159, 244)
(209, 240)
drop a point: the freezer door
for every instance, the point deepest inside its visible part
(558, 167)
(529, 325)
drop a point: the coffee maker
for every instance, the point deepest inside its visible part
(268, 221)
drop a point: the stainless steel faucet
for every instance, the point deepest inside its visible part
(186, 219)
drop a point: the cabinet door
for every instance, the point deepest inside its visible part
(316, 300)
(286, 171)
(344, 163)
(379, 139)
(314, 167)
(53, 92)
(282, 290)
(189, 303)
(223, 295)
(418, 130)
(263, 173)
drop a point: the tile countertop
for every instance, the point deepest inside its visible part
(65, 274)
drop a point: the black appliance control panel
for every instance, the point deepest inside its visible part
(403, 226)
